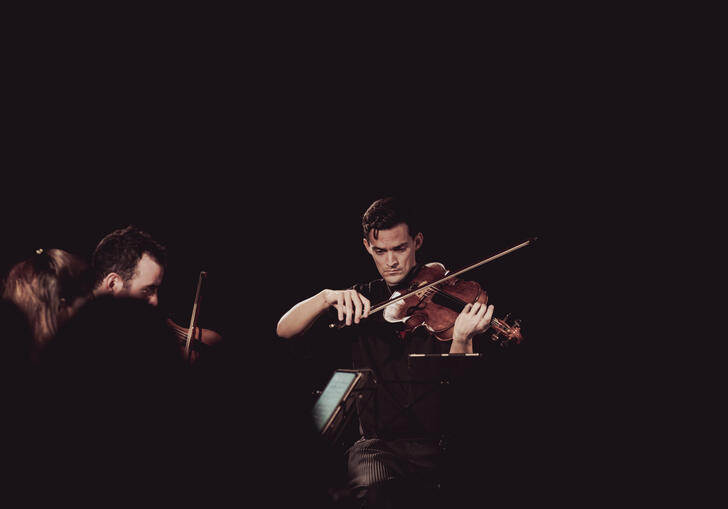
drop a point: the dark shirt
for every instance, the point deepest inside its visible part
(405, 402)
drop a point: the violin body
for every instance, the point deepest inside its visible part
(437, 306)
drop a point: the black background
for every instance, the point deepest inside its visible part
(253, 158)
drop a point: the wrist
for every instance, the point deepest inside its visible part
(323, 303)
(461, 345)
(464, 339)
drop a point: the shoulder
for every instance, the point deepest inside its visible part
(375, 289)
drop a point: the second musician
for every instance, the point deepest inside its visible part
(129, 262)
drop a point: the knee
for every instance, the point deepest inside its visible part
(377, 494)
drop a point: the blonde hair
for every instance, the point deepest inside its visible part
(42, 284)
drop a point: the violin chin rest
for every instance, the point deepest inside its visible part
(393, 313)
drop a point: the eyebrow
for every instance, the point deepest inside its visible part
(403, 244)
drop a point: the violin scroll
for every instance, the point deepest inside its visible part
(504, 333)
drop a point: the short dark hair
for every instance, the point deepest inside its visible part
(121, 250)
(386, 213)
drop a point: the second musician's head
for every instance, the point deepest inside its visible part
(392, 237)
(48, 288)
(129, 263)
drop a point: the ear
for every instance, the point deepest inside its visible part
(112, 283)
(419, 239)
(367, 246)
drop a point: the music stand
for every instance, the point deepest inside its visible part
(335, 406)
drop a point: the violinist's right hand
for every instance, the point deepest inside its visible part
(351, 305)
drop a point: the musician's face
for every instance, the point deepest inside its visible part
(393, 251)
(146, 280)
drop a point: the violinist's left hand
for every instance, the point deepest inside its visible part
(474, 319)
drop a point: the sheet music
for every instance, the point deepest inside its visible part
(330, 397)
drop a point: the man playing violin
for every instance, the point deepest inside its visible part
(402, 431)
(393, 248)
(129, 262)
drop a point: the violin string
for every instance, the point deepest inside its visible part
(452, 298)
(181, 332)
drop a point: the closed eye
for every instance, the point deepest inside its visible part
(400, 248)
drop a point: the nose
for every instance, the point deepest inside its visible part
(391, 260)
(153, 300)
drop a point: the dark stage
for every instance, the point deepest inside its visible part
(263, 187)
(268, 238)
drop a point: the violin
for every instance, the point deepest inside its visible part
(435, 298)
(437, 306)
(201, 338)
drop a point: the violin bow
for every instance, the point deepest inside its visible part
(195, 315)
(383, 305)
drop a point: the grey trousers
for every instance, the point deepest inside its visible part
(386, 473)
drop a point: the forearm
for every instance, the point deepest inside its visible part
(301, 316)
